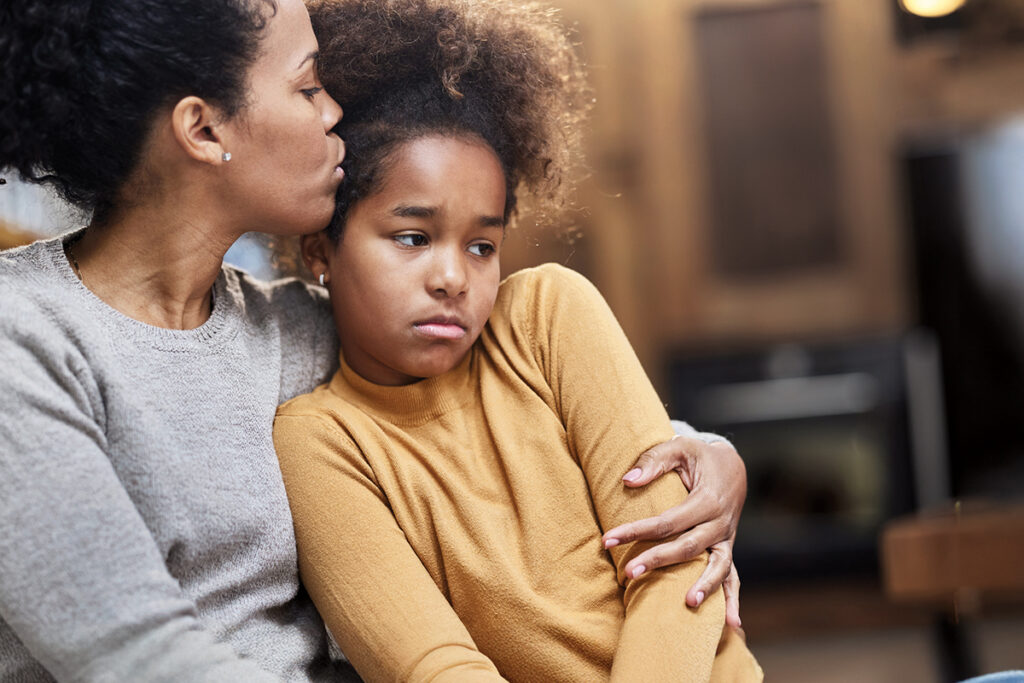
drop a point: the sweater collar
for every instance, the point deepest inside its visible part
(411, 404)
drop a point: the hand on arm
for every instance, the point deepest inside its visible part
(706, 520)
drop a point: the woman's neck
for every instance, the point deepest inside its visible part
(152, 268)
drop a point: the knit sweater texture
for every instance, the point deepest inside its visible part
(450, 529)
(146, 535)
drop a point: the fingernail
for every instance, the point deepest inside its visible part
(633, 474)
(700, 598)
(611, 543)
(638, 570)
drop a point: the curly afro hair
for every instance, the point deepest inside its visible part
(496, 70)
(84, 79)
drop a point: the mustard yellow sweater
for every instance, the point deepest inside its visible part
(450, 529)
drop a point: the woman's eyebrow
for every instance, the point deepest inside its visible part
(314, 55)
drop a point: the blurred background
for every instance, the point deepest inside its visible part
(809, 217)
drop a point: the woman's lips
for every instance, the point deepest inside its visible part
(440, 330)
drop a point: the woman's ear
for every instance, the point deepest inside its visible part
(316, 250)
(197, 130)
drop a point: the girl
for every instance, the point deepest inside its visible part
(450, 483)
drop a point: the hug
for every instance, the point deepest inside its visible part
(445, 472)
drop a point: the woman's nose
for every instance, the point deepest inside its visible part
(331, 112)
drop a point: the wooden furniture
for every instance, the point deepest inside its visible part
(950, 559)
(939, 556)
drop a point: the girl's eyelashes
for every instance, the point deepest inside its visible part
(482, 249)
(310, 93)
(413, 239)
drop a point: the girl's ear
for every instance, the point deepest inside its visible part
(316, 250)
(197, 131)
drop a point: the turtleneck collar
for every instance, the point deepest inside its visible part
(410, 404)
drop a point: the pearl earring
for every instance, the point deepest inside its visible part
(226, 156)
(321, 279)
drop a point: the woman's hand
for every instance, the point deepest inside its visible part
(717, 480)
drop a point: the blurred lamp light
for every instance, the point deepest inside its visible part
(932, 8)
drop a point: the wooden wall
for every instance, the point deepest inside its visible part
(655, 198)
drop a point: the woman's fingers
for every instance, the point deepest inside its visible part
(731, 588)
(681, 549)
(714, 575)
(674, 454)
(696, 509)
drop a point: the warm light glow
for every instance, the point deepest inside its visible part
(932, 8)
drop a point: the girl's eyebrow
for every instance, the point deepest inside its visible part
(492, 222)
(410, 211)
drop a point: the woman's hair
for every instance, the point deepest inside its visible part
(498, 70)
(84, 79)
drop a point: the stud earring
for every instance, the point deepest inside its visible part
(226, 156)
(322, 279)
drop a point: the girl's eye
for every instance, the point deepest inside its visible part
(411, 239)
(310, 93)
(481, 249)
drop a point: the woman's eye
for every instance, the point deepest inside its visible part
(411, 240)
(481, 249)
(310, 93)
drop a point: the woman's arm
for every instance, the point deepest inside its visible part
(714, 473)
(83, 585)
(376, 597)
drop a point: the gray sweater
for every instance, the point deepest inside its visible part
(144, 530)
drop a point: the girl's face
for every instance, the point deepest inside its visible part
(415, 274)
(285, 161)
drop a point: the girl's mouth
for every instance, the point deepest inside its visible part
(441, 329)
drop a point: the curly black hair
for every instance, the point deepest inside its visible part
(498, 70)
(84, 79)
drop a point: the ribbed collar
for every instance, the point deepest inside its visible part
(412, 404)
(221, 326)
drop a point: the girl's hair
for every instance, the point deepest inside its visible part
(84, 79)
(496, 70)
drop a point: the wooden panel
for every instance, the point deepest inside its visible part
(771, 152)
(936, 555)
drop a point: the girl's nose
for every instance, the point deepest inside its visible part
(448, 276)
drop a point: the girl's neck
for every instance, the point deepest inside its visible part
(152, 266)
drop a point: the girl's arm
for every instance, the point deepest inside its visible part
(610, 411)
(715, 475)
(376, 597)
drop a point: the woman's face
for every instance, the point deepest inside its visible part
(415, 274)
(285, 161)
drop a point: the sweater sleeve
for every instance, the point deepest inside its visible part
(376, 597)
(611, 414)
(83, 585)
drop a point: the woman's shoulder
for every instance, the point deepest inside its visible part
(28, 264)
(287, 297)
(301, 318)
(33, 286)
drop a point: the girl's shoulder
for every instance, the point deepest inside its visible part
(531, 295)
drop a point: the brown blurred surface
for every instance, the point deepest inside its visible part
(10, 236)
(937, 556)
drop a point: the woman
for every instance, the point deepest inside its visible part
(146, 532)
